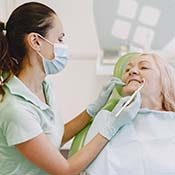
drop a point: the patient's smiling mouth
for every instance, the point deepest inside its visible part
(133, 80)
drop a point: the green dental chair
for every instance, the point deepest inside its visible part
(79, 139)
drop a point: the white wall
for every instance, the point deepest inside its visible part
(77, 19)
(6, 8)
(78, 84)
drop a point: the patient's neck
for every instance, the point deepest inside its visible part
(152, 103)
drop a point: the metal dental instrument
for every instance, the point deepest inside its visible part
(131, 98)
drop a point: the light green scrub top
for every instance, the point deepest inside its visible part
(24, 116)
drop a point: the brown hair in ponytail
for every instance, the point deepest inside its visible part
(27, 18)
(6, 64)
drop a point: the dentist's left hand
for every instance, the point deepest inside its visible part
(103, 97)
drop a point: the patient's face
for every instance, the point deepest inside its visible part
(143, 67)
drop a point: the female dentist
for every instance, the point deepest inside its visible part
(31, 132)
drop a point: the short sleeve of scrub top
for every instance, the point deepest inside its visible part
(23, 116)
(19, 125)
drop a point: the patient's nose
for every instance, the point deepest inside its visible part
(133, 71)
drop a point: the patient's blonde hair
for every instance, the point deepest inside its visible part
(167, 77)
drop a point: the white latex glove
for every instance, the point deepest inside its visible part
(107, 124)
(104, 95)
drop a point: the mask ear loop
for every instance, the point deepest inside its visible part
(45, 39)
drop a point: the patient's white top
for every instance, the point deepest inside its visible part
(146, 146)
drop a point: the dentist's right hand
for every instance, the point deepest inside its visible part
(107, 124)
(103, 97)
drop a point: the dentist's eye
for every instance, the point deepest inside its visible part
(60, 40)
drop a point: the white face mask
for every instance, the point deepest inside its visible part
(60, 60)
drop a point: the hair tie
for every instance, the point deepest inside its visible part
(2, 26)
(15, 60)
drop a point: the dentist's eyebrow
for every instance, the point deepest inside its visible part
(62, 35)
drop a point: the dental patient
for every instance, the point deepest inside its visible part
(146, 144)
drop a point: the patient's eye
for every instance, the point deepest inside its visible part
(127, 69)
(144, 67)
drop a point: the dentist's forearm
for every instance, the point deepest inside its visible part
(79, 161)
(75, 125)
(44, 155)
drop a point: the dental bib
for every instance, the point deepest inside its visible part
(144, 147)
